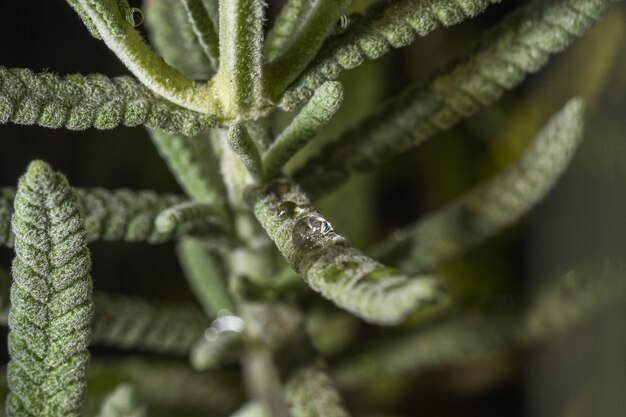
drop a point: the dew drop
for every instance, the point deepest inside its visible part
(134, 17)
(342, 24)
(288, 210)
(312, 230)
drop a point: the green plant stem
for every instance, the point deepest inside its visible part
(241, 143)
(239, 82)
(302, 46)
(148, 67)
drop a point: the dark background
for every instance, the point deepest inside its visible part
(581, 220)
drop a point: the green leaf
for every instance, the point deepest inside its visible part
(242, 144)
(311, 393)
(494, 205)
(112, 215)
(193, 162)
(303, 44)
(387, 25)
(79, 102)
(51, 306)
(214, 349)
(341, 273)
(239, 81)
(558, 306)
(253, 409)
(173, 37)
(285, 25)
(516, 47)
(190, 213)
(123, 402)
(133, 323)
(205, 276)
(311, 119)
(203, 28)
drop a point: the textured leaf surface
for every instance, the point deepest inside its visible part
(133, 323)
(311, 393)
(331, 266)
(175, 39)
(79, 102)
(501, 201)
(387, 25)
(51, 306)
(518, 46)
(557, 307)
(110, 215)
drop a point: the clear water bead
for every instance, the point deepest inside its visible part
(312, 230)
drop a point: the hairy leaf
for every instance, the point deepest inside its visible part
(122, 402)
(303, 44)
(287, 22)
(79, 102)
(311, 119)
(51, 306)
(558, 306)
(133, 323)
(203, 28)
(352, 280)
(175, 40)
(518, 46)
(388, 24)
(501, 201)
(242, 144)
(214, 349)
(311, 393)
(205, 276)
(110, 215)
(189, 213)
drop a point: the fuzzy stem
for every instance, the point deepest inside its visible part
(239, 80)
(242, 144)
(204, 29)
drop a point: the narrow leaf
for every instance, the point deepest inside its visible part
(175, 40)
(557, 307)
(214, 349)
(111, 20)
(193, 162)
(313, 117)
(285, 25)
(311, 393)
(79, 102)
(111, 215)
(51, 306)
(496, 204)
(242, 144)
(203, 28)
(78, 8)
(133, 323)
(240, 78)
(181, 215)
(303, 44)
(387, 25)
(205, 276)
(123, 402)
(341, 273)
(518, 46)
(253, 409)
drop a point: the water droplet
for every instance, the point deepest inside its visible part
(134, 17)
(279, 187)
(312, 230)
(288, 210)
(342, 24)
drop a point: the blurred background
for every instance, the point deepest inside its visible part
(581, 373)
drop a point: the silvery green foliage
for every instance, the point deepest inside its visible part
(111, 215)
(122, 402)
(331, 266)
(520, 45)
(488, 208)
(51, 305)
(247, 233)
(310, 393)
